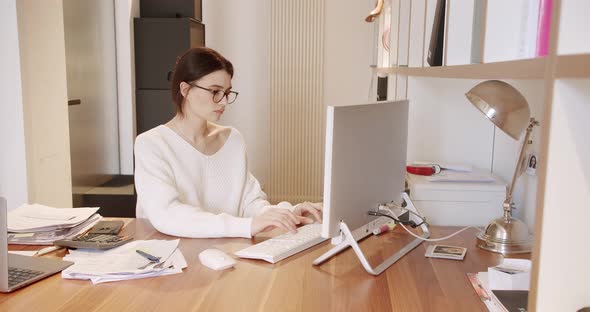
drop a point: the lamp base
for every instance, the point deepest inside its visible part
(505, 236)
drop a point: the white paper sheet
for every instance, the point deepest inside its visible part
(48, 237)
(124, 263)
(35, 217)
(29, 253)
(511, 274)
(455, 176)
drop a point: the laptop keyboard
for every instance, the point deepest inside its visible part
(18, 275)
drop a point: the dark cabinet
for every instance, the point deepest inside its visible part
(154, 107)
(171, 8)
(158, 43)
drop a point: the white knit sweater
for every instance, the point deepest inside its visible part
(183, 192)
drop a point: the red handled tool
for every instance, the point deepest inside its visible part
(425, 170)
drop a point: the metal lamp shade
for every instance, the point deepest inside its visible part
(502, 104)
(509, 111)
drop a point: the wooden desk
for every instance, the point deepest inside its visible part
(415, 283)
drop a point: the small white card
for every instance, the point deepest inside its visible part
(446, 252)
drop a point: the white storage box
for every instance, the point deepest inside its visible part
(457, 204)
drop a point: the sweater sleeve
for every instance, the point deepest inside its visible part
(158, 196)
(255, 201)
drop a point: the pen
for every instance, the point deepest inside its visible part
(46, 250)
(148, 256)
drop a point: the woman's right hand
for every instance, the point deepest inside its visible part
(274, 218)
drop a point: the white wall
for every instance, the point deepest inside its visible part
(125, 11)
(348, 52)
(240, 31)
(13, 166)
(506, 152)
(44, 95)
(445, 127)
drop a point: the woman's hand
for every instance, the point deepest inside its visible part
(304, 210)
(274, 218)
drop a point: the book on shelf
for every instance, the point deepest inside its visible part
(436, 47)
(511, 30)
(393, 33)
(478, 31)
(528, 29)
(417, 27)
(544, 27)
(404, 33)
(459, 32)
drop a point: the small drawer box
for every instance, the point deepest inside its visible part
(457, 204)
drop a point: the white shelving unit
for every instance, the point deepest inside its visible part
(555, 202)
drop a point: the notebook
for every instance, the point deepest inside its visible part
(17, 271)
(513, 300)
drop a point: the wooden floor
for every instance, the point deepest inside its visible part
(415, 283)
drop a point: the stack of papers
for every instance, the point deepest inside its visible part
(457, 176)
(509, 281)
(42, 225)
(124, 263)
(479, 281)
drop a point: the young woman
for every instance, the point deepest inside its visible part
(192, 175)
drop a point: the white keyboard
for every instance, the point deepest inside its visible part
(280, 247)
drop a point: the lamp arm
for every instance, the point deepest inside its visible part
(376, 11)
(517, 170)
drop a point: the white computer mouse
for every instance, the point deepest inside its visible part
(216, 259)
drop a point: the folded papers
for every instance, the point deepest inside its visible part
(510, 279)
(35, 217)
(511, 274)
(42, 225)
(124, 263)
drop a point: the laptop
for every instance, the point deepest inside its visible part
(17, 271)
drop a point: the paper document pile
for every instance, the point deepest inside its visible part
(124, 262)
(505, 286)
(42, 225)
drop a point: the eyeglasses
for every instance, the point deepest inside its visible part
(219, 94)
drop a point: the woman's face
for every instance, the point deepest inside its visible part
(199, 102)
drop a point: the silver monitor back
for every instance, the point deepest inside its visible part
(364, 162)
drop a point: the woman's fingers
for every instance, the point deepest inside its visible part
(289, 214)
(310, 208)
(286, 220)
(318, 206)
(279, 224)
(305, 220)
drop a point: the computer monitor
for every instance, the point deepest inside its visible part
(365, 165)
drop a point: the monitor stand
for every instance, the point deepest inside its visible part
(350, 241)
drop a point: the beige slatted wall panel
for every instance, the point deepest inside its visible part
(297, 111)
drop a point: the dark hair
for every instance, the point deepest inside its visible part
(193, 65)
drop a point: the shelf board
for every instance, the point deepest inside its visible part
(573, 66)
(519, 69)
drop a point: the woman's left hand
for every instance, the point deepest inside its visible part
(304, 210)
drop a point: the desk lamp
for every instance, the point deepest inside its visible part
(509, 111)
